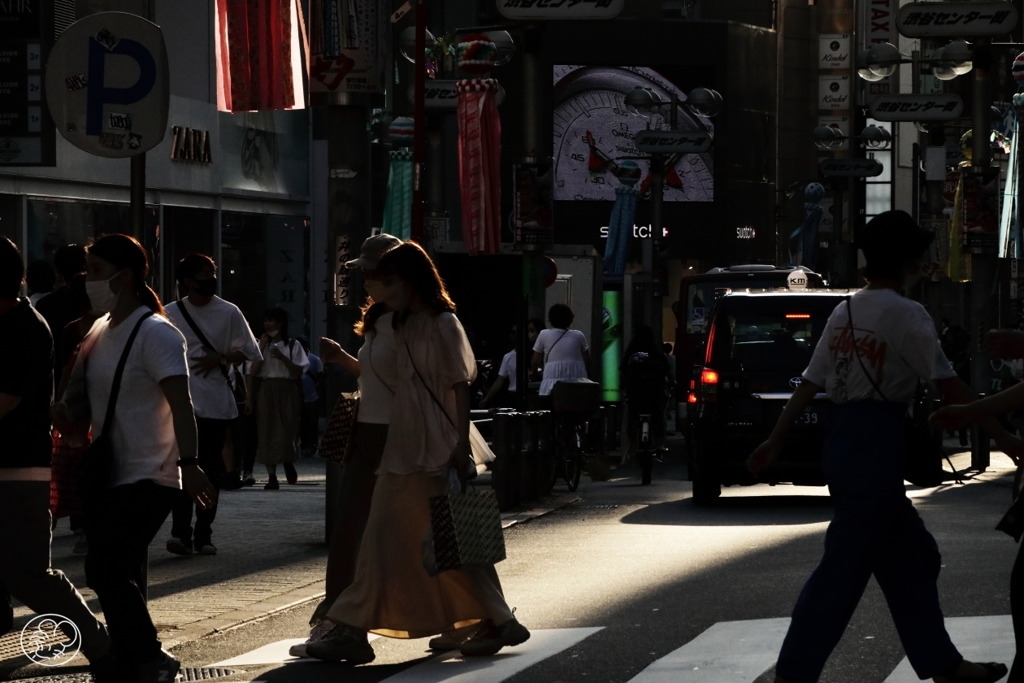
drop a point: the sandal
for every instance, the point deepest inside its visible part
(993, 672)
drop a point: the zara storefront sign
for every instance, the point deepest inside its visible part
(107, 84)
(672, 141)
(833, 92)
(916, 107)
(956, 19)
(559, 10)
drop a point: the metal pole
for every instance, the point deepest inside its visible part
(983, 265)
(137, 194)
(419, 121)
(651, 311)
(533, 148)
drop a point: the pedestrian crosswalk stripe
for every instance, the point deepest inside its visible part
(979, 639)
(453, 668)
(272, 653)
(728, 652)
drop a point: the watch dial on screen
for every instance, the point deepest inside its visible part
(593, 131)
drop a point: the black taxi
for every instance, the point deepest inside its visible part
(757, 346)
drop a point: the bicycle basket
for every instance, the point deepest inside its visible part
(582, 397)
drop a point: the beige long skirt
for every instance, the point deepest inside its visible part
(392, 594)
(278, 411)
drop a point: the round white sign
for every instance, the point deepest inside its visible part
(797, 280)
(107, 84)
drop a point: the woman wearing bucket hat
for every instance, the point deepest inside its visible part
(875, 349)
(375, 367)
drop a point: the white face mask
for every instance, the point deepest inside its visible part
(376, 290)
(101, 296)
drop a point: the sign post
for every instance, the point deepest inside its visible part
(108, 89)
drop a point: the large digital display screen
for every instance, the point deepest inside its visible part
(594, 129)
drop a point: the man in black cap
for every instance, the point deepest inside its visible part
(874, 351)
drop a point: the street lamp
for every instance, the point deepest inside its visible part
(702, 102)
(883, 59)
(828, 138)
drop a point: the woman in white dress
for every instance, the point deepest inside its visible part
(392, 594)
(561, 352)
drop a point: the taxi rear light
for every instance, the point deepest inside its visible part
(798, 316)
(708, 376)
(691, 397)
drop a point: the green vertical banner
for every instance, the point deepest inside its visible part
(611, 345)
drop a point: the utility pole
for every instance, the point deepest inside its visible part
(983, 263)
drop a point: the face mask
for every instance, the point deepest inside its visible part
(207, 287)
(376, 290)
(101, 296)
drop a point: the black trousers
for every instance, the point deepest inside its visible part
(212, 434)
(244, 437)
(120, 526)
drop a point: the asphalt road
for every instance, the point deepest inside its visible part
(629, 575)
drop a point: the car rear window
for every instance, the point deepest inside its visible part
(768, 334)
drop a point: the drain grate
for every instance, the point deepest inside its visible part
(593, 507)
(186, 675)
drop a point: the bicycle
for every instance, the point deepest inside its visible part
(645, 450)
(573, 404)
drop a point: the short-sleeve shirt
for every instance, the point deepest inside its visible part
(508, 369)
(27, 372)
(225, 327)
(561, 346)
(276, 369)
(423, 438)
(378, 374)
(894, 337)
(145, 446)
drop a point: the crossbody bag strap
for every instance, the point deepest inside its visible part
(115, 389)
(202, 337)
(427, 386)
(374, 370)
(554, 345)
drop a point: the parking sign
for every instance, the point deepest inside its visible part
(107, 84)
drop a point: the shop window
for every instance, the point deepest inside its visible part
(185, 231)
(264, 263)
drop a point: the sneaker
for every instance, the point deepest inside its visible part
(163, 669)
(290, 473)
(179, 547)
(271, 485)
(105, 670)
(317, 633)
(452, 640)
(248, 479)
(343, 643)
(490, 638)
(81, 546)
(206, 549)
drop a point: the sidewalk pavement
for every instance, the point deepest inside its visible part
(271, 557)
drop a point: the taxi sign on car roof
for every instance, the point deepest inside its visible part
(797, 280)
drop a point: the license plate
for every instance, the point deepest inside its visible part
(809, 418)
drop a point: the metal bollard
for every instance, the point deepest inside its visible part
(528, 479)
(545, 452)
(981, 449)
(506, 478)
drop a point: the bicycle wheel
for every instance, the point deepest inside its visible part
(573, 468)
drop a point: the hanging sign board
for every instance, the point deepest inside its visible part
(107, 84)
(956, 19)
(441, 94)
(672, 141)
(916, 107)
(833, 92)
(850, 168)
(833, 51)
(559, 10)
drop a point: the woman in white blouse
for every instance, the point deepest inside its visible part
(392, 594)
(561, 352)
(278, 401)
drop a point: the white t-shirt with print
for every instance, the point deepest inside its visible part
(225, 328)
(276, 369)
(378, 372)
(508, 369)
(896, 340)
(143, 431)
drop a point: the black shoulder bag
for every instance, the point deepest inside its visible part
(921, 467)
(96, 468)
(238, 385)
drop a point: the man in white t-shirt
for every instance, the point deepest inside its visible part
(219, 339)
(874, 351)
